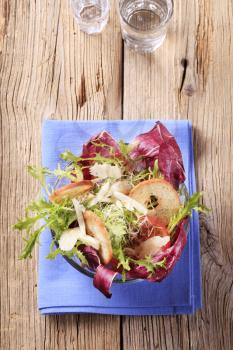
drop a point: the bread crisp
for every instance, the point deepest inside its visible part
(96, 228)
(71, 190)
(167, 197)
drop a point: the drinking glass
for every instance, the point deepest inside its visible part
(91, 15)
(144, 22)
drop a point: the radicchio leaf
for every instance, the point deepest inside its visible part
(91, 255)
(170, 253)
(171, 165)
(103, 280)
(107, 148)
(138, 272)
(159, 144)
(103, 277)
(147, 144)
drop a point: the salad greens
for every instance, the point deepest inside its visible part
(57, 217)
(117, 168)
(70, 157)
(149, 264)
(119, 221)
(193, 203)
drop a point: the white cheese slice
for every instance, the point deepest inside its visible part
(122, 186)
(130, 203)
(101, 195)
(104, 171)
(70, 237)
(79, 212)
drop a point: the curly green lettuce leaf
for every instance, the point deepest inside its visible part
(70, 157)
(117, 221)
(149, 264)
(193, 203)
(56, 217)
(39, 173)
(75, 252)
(124, 148)
(71, 172)
(30, 243)
(146, 174)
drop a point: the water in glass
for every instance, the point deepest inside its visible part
(144, 22)
(91, 15)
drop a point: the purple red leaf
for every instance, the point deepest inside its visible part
(91, 255)
(103, 280)
(170, 254)
(171, 165)
(159, 144)
(102, 144)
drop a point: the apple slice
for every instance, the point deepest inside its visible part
(96, 228)
(71, 191)
(168, 201)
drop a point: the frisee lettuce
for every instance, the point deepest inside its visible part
(186, 210)
(146, 174)
(149, 264)
(57, 217)
(72, 172)
(118, 222)
(156, 172)
(70, 254)
(30, 243)
(70, 157)
(124, 148)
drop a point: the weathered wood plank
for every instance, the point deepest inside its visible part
(191, 76)
(48, 69)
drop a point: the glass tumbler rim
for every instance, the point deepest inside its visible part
(105, 9)
(169, 15)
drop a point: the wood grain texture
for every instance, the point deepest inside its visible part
(191, 77)
(48, 70)
(51, 70)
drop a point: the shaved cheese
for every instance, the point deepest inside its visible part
(104, 171)
(70, 237)
(130, 203)
(151, 246)
(101, 195)
(118, 204)
(122, 186)
(79, 212)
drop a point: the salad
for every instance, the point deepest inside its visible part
(120, 211)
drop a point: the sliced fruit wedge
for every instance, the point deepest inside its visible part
(160, 193)
(96, 228)
(71, 191)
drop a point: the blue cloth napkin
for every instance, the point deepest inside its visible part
(62, 289)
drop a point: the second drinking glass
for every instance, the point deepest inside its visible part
(144, 23)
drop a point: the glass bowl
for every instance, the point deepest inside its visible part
(75, 262)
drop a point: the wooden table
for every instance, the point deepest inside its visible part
(50, 69)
